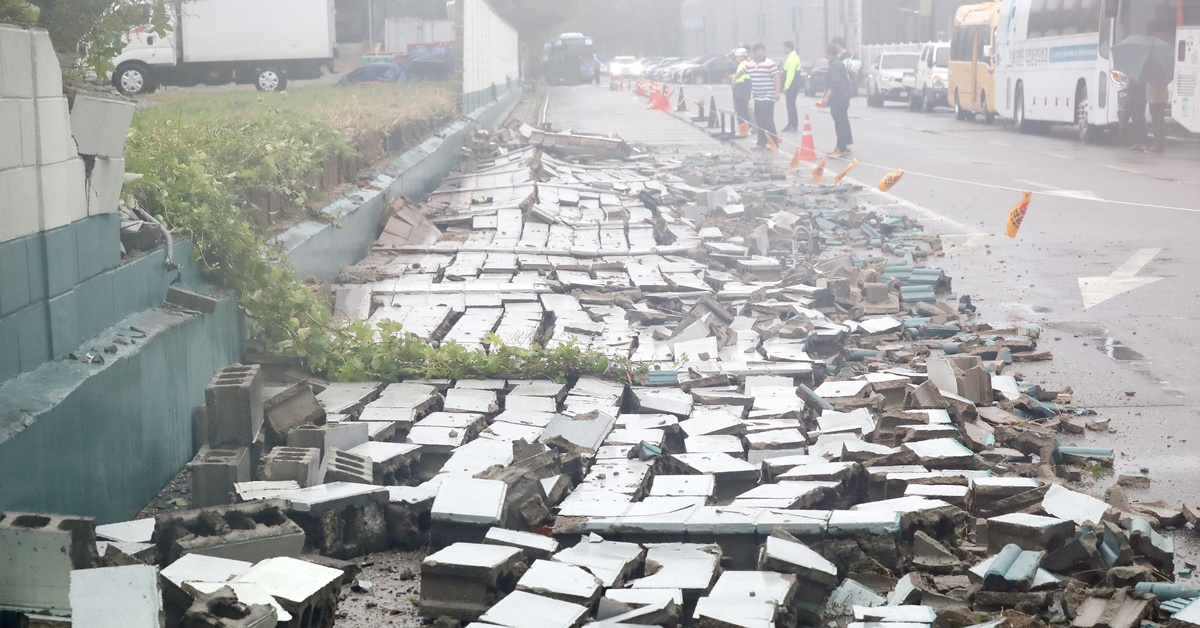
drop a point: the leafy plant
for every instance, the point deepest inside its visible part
(88, 34)
(19, 11)
(198, 158)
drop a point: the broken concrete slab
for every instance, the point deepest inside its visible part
(1029, 532)
(526, 610)
(561, 581)
(116, 597)
(465, 508)
(302, 588)
(610, 561)
(464, 580)
(788, 555)
(1064, 503)
(533, 546)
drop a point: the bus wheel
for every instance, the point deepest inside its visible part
(989, 116)
(1087, 133)
(1023, 125)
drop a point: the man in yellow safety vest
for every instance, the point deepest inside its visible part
(791, 85)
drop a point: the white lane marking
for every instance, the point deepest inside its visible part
(1097, 290)
(1038, 185)
(892, 199)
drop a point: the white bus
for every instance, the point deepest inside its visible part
(1185, 106)
(1054, 60)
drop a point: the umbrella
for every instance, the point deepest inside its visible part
(1145, 59)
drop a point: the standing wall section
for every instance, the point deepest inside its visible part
(490, 53)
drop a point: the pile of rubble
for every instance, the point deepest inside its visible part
(823, 433)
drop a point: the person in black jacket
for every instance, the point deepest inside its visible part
(837, 98)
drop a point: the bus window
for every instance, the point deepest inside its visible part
(1037, 17)
(1155, 18)
(1053, 22)
(1189, 12)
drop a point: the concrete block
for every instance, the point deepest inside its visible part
(64, 193)
(104, 184)
(343, 466)
(38, 553)
(347, 398)
(48, 74)
(98, 242)
(54, 130)
(116, 597)
(300, 464)
(191, 300)
(10, 348)
(785, 554)
(215, 471)
(391, 463)
(20, 213)
(16, 62)
(65, 334)
(465, 508)
(561, 582)
(249, 532)
(288, 409)
(221, 605)
(612, 562)
(38, 275)
(14, 276)
(62, 260)
(464, 580)
(344, 436)
(100, 125)
(341, 520)
(408, 518)
(1029, 532)
(308, 591)
(526, 610)
(235, 408)
(18, 133)
(96, 303)
(533, 546)
(35, 335)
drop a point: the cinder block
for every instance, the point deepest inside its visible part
(14, 276)
(38, 553)
(35, 335)
(342, 436)
(10, 348)
(98, 243)
(16, 62)
(251, 532)
(191, 300)
(116, 597)
(47, 79)
(54, 130)
(36, 248)
(100, 125)
(64, 193)
(288, 409)
(62, 260)
(301, 464)
(20, 213)
(65, 334)
(18, 134)
(104, 185)
(94, 298)
(214, 472)
(235, 408)
(343, 466)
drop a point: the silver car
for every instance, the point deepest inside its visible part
(885, 80)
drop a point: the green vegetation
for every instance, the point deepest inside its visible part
(87, 34)
(200, 154)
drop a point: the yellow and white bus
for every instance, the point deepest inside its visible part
(1053, 59)
(972, 86)
(1185, 103)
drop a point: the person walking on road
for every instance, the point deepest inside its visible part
(742, 89)
(837, 98)
(766, 91)
(791, 87)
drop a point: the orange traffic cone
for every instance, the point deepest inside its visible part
(841, 175)
(744, 129)
(890, 180)
(795, 159)
(771, 142)
(664, 101)
(819, 171)
(808, 151)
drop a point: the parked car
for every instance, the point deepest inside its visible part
(816, 77)
(678, 69)
(714, 70)
(660, 71)
(624, 67)
(885, 80)
(929, 85)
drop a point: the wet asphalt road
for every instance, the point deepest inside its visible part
(1132, 357)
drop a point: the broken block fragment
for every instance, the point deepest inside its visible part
(464, 580)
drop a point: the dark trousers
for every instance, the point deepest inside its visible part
(764, 117)
(793, 114)
(841, 124)
(742, 107)
(1136, 106)
(1158, 123)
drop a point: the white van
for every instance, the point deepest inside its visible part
(929, 85)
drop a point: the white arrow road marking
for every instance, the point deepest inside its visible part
(1097, 290)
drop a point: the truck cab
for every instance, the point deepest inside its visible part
(146, 49)
(928, 85)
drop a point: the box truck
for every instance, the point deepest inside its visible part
(214, 42)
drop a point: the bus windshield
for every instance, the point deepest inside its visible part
(1189, 12)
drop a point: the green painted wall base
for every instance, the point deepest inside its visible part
(102, 439)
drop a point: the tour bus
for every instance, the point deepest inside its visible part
(972, 85)
(1185, 106)
(567, 59)
(1054, 59)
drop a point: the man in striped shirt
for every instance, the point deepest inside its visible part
(764, 76)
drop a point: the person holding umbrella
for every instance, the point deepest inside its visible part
(1146, 64)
